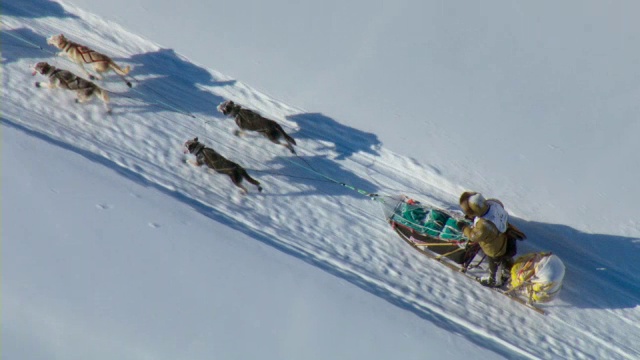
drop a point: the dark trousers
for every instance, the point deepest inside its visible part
(505, 260)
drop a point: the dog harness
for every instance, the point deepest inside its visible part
(70, 80)
(248, 120)
(196, 149)
(241, 118)
(235, 110)
(205, 157)
(88, 56)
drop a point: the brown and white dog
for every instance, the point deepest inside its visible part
(207, 156)
(83, 55)
(250, 120)
(67, 80)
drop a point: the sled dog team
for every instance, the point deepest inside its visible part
(246, 119)
(490, 226)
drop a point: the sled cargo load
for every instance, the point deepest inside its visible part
(538, 276)
(428, 228)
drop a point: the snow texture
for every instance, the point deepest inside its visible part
(114, 247)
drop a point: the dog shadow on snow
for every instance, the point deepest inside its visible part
(345, 139)
(309, 256)
(582, 268)
(14, 49)
(34, 9)
(602, 271)
(173, 84)
(305, 171)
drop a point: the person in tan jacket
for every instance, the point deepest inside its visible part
(492, 231)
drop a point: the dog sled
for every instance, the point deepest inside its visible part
(429, 229)
(437, 233)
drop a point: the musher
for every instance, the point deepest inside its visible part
(490, 230)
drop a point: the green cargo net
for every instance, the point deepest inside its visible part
(432, 222)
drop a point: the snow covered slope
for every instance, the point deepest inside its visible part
(99, 263)
(302, 212)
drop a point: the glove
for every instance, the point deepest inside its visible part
(466, 231)
(462, 225)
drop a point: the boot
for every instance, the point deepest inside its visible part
(488, 281)
(505, 276)
(505, 273)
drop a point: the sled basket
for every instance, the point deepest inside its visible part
(428, 228)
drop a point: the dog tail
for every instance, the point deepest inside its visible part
(118, 69)
(255, 182)
(121, 72)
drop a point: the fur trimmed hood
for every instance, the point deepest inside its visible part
(473, 204)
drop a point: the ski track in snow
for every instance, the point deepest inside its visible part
(303, 214)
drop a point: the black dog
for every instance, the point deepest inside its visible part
(250, 120)
(219, 163)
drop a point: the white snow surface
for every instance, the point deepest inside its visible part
(114, 247)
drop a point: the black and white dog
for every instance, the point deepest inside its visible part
(64, 79)
(250, 120)
(208, 156)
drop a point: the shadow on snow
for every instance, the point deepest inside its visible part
(587, 284)
(595, 262)
(289, 249)
(601, 270)
(14, 49)
(345, 139)
(34, 9)
(306, 171)
(173, 83)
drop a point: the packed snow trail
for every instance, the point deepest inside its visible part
(328, 226)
